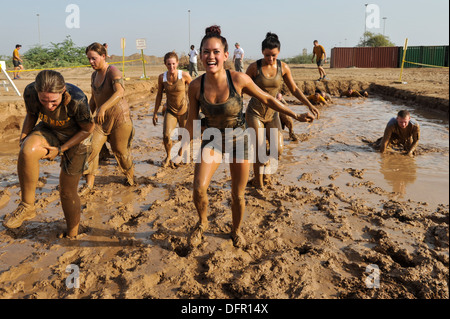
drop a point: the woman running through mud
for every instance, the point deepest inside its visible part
(174, 82)
(64, 130)
(112, 116)
(269, 73)
(218, 94)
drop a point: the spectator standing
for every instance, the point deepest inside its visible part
(17, 61)
(193, 61)
(238, 58)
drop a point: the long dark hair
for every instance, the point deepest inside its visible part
(214, 32)
(271, 42)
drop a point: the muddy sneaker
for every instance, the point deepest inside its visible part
(22, 213)
(195, 238)
(85, 190)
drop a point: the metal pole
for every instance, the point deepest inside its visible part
(39, 29)
(384, 25)
(189, 18)
(405, 47)
(365, 23)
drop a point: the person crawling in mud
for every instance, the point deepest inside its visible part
(327, 97)
(174, 82)
(64, 130)
(218, 94)
(112, 117)
(353, 93)
(401, 132)
(317, 98)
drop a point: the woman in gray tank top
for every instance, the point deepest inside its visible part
(218, 94)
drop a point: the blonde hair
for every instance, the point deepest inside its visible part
(50, 81)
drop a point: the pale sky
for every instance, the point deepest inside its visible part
(165, 24)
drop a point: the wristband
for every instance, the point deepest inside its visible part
(60, 152)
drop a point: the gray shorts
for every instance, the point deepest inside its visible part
(236, 145)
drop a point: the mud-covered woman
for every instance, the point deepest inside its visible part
(218, 95)
(269, 73)
(174, 83)
(64, 130)
(112, 116)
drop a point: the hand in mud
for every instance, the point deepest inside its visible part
(305, 117)
(99, 116)
(315, 112)
(52, 152)
(155, 119)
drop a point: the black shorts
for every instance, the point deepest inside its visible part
(320, 62)
(17, 63)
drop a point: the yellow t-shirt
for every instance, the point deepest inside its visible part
(319, 51)
(16, 54)
(316, 99)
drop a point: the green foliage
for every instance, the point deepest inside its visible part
(299, 59)
(375, 40)
(62, 54)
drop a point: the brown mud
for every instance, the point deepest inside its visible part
(333, 209)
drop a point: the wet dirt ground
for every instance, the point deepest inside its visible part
(334, 208)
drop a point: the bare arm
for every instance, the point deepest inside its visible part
(28, 125)
(113, 100)
(193, 110)
(415, 143)
(385, 140)
(287, 76)
(158, 99)
(85, 131)
(250, 88)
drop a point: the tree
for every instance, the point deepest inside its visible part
(375, 40)
(58, 55)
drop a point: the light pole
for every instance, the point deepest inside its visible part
(189, 18)
(384, 25)
(365, 23)
(39, 29)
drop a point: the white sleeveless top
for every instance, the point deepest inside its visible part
(180, 75)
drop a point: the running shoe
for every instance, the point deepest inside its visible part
(22, 213)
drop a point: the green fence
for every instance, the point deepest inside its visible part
(425, 56)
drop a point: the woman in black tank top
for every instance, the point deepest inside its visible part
(218, 94)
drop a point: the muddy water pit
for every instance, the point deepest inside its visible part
(333, 207)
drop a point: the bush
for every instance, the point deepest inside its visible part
(299, 59)
(62, 54)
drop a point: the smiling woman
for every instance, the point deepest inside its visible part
(218, 94)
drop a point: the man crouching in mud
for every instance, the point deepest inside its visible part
(403, 132)
(64, 130)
